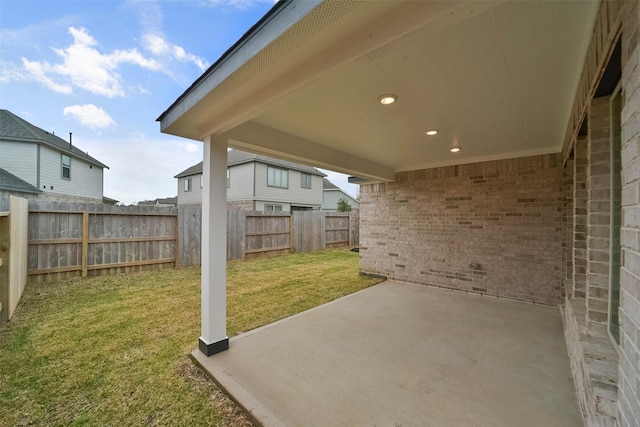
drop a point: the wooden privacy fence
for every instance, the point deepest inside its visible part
(254, 234)
(13, 251)
(71, 239)
(77, 239)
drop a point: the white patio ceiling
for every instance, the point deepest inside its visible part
(496, 78)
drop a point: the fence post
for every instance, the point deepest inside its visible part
(4, 267)
(291, 248)
(85, 244)
(176, 245)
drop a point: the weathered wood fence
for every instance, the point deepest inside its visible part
(76, 239)
(13, 250)
(254, 234)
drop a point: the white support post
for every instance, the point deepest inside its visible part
(214, 247)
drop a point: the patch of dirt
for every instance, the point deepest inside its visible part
(234, 416)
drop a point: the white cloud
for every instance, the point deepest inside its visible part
(154, 41)
(85, 67)
(142, 168)
(240, 4)
(159, 47)
(89, 115)
(191, 147)
(38, 70)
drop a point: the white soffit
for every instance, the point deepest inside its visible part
(499, 85)
(497, 78)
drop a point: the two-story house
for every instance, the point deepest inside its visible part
(45, 164)
(259, 183)
(332, 194)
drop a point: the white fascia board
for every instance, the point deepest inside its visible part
(249, 46)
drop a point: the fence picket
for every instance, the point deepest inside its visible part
(88, 240)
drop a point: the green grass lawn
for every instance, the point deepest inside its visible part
(113, 350)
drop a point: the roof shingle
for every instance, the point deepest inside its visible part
(14, 128)
(10, 182)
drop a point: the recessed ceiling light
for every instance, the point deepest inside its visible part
(387, 99)
(455, 149)
(431, 132)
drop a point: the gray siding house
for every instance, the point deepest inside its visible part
(332, 195)
(44, 164)
(259, 183)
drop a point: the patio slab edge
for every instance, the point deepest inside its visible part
(255, 411)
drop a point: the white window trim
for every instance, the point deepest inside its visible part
(280, 170)
(68, 178)
(304, 177)
(274, 208)
(187, 185)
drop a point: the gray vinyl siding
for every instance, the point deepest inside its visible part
(294, 195)
(331, 198)
(193, 196)
(246, 178)
(86, 179)
(20, 159)
(240, 182)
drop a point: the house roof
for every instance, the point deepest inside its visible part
(17, 129)
(497, 78)
(238, 157)
(10, 182)
(109, 200)
(159, 201)
(328, 185)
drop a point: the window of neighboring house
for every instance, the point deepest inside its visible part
(201, 180)
(66, 167)
(305, 180)
(187, 185)
(277, 177)
(613, 320)
(228, 178)
(273, 208)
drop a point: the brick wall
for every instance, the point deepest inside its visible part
(598, 210)
(629, 372)
(241, 205)
(580, 196)
(429, 226)
(567, 225)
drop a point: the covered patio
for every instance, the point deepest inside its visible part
(497, 148)
(403, 355)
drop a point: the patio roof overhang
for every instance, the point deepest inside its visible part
(496, 78)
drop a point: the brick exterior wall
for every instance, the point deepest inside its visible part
(241, 205)
(567, 225)
(629, 372)
(580, 196)
(430, 226)
(598, 210)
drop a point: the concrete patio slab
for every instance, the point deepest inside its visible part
(404, 355)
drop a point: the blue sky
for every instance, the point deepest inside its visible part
(105, 70)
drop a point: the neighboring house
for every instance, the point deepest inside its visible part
(161, 202)
(51, 165)
(331, 196)
(259, 183)
(12, 185)
(526, 185)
